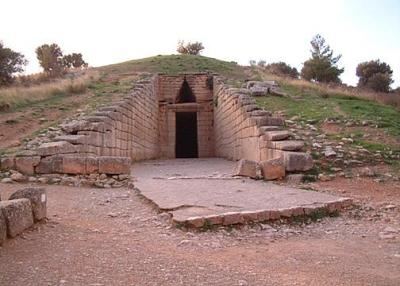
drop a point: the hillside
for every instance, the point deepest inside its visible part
(370, 125)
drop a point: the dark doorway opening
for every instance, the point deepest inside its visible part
(186, 135)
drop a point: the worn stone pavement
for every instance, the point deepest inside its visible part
(196, 188)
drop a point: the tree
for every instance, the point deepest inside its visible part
(283, 69)
(375, 75)
(74, 60)
(322, 66)
(261, 63)
(10, 62)
(50, 59)
(190, 48)
(252, 63)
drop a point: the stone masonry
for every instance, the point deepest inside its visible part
(143, 126)
(244, 131)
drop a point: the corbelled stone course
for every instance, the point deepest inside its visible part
(243, 131)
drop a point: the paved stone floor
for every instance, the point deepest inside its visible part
(195, 190)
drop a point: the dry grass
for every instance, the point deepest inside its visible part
(13, 97)
(392, 99)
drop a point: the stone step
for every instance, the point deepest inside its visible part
(268, 121)
(270, 128)
(260, 113)
(73, 139)
(286, 145)
(297, 161)
(276, 135)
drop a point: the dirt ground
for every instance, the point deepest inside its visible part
(15, 126)
(115, 237)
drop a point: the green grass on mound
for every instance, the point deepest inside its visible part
(174, 64)
(313, 105)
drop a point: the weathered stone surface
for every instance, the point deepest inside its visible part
(6, 180)
(269, 121)
(273, 169)
(265, 129)
(276, 135)
(114, 165)
(294, 179)
(26, 165)
(3, 228)
(7, 162)
(221, 201)
(246, 168)
(50, 165)
(74, 165)
(18, 177)
(73, 139)
(38, 199)
(26, 153)
(53, 148)
(298, 161)
(18, 215)
(287, 145)
(74, 126)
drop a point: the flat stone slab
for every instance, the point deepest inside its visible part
(198, 192)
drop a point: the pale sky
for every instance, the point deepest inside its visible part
(107, 32)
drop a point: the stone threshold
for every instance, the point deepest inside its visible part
(180, 217)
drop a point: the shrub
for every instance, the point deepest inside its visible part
(282, 69)
(374, 75)
(190, 48)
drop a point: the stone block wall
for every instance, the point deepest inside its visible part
(244, 131)
(142, 126)
(105, 142)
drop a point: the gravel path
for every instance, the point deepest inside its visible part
(114, 237)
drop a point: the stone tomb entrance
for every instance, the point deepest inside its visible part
(185, 116)
(167, 116)
(186, 126)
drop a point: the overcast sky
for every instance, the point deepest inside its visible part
(108, 32)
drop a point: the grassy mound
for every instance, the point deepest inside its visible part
(174, 64)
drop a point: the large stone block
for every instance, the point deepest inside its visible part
(18, 215)
(297, 161)
(273, 169)
(286, 145)
(54, 148)
(73, 139)
(7, 163)
(74, 126)
(50, 165)
(26, 165)
(3, 228)
(276, 135)
(38, 199)
(92, 165)
(114, 165)
(74, 165)
(246, 168)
